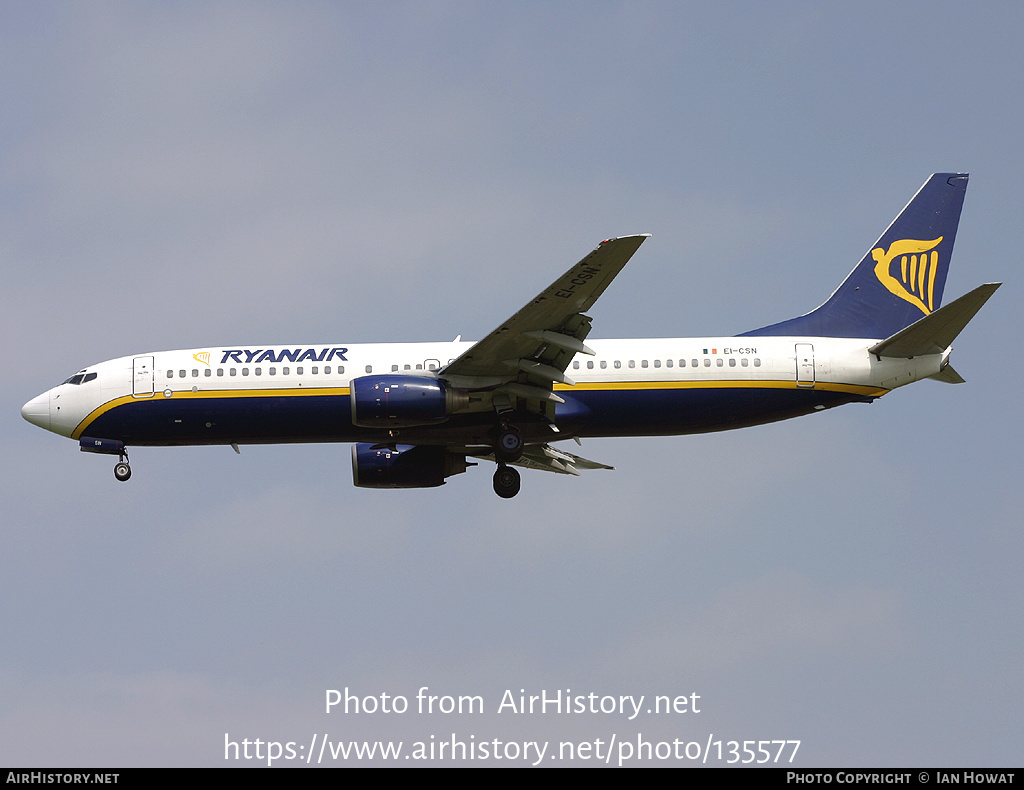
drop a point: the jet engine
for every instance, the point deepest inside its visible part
(403, 466)
(403, 401)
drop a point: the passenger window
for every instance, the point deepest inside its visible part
(719, 362)
(590, 364)
(284, 371)
(732, 363)
(617, 364)
(604, 364)
(668, 363)
(220, 372)
(234, 371)
(757, 363)
(643, 363)
(707, 362)
(682, 363)
(327, 369)
(181, 374)
(576, 365)
(315, 370)
(406, 367)
(693, 363)
(632, 363)
(298, 371)
(259, 371)
(744, 362)
(341, 369)
(245, 371)
(394, 368)
(207, 372)
(657, 363)
(273, 371)
(195, 373)
(369, 368)
(170, 374)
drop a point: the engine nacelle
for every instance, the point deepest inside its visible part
(405, 466)
(403, 401)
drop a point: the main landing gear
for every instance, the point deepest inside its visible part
(122, 471)
(510, 444)
(508, 448)
(506, 481)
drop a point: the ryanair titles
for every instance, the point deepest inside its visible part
(249, 356)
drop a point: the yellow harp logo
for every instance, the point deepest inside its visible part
(915, 279)
(202, 356)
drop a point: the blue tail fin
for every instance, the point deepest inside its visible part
(900, 279)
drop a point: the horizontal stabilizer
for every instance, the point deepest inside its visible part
(934, 333)
(948, 376)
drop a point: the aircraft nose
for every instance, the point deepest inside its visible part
(37, 411)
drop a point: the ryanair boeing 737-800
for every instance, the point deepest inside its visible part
(417, 411)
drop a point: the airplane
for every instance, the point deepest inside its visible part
(417, 412)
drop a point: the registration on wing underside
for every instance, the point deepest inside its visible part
(556, 310)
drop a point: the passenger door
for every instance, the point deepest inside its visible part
(142, 377)
(804, 365)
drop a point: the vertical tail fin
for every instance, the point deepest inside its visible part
(900, 279)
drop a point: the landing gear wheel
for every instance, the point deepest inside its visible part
(506, 481)
(509, 446)
(122, 471)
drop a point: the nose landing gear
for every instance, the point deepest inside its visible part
(122, 471)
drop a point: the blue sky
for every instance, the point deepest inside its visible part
(180, 175)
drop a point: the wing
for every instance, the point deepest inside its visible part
(550, 459)
(530, 351)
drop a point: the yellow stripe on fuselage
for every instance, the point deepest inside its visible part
(592, 386)
(203, 394)
(710, 384)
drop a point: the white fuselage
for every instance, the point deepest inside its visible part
(636, 366)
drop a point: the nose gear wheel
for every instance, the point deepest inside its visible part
(122, 470)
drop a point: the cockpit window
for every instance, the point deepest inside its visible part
(80, 377)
